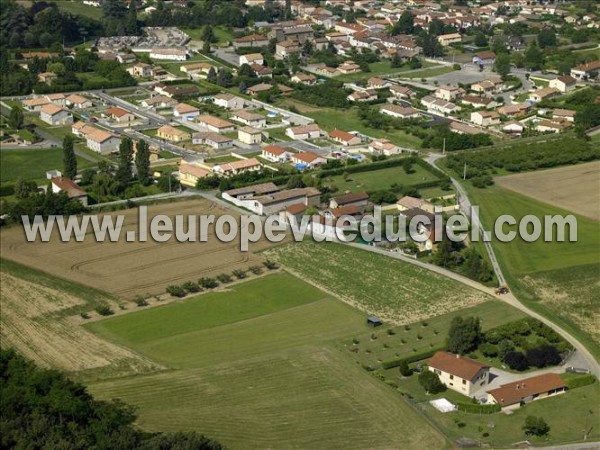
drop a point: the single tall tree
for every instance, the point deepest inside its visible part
(142, 162)
(15, 118)
(125, 160)
(69, 158)
(464, 335)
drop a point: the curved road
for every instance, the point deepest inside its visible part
(465, 205)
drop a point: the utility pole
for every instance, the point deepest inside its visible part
(444, 147)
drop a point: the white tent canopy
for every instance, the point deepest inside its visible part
(443, 405)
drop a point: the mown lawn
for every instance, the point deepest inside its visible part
(77, 7)
(429, 73)
(380, 179)
(32, 164)
(258, 367)
(348, 120)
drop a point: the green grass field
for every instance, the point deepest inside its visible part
(77, 7)
(259, 366)
(348, 120)
(380, 179)
(32, 164)
(429, 73)
(558, 279)
(377, 284)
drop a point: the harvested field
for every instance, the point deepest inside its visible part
(396, 291)
(34, 321)
(574, 188)
(127, 269)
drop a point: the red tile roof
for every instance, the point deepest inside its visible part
(511, 393)
(459, 366)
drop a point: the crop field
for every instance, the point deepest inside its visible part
(569, 187)
(35, 320)
(387, 343)
(560, 279)
(127, 269)
(259, 367)
(394, 290)
(380, 179)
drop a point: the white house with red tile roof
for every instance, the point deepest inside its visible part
(55, 115)
(461, 374)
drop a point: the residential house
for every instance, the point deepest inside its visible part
(249, 118)
(46, 77)
(401, 92)
(461, 374)
(284, 49)
(102, 141)
(126, 58)
(119, 115)
(272, 202)
(304, 78)
(237, 167)
(344, 138)
(485, 118)
(185, 111)
(513, 127)
(463, 128)
(564, 84)
(78, 101)
(172, 134)
(55, 115)
(348, 67)
(190, 173)
(485, 58)
(58, 99)
(355, 199)
(215, 124)
(197, 70)
(64, 184)
(564, 114)
(261, 71)
(35, 104)
(377, 83)
(214, 140)
(140, 70)
(174, 91)
(478, 102)
(512, 395)
(159, 101)
(542, 94)
(586, 71)
(407, 202)
(447, 93)
(252, 40)
(276, 154)
(437, 105)
(515, 110)
(367, 95)
(258, 88)
(171, 54)
(552, 126)
(249, 135)
(229, 101)
(489, 87)
(307, 160)
(252, 58)
(81, 129)
(303, 132)
(384, 147)
(451, 38)
(401, 112)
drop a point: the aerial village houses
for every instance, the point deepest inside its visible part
(172, 134)
(64, 184)
(401, 112)
(564, 84)
(250, 135)
(586, 71)
(307, 160)
(102, 141)
(276, 154)
(511, 395)
(451, 38)
(274, 201)
(189, 174)
(185, 111)
(236, 167)
(344, 138)
(357, 199)
(213, 140)
(461, 374)
(229, 101)
(252, 58)
(485, 118)
(55, 115)
(249, 118)
(120, 115)
(171, 54)
(542, 94)
(78, 101)
(303, 132)
(215, 124)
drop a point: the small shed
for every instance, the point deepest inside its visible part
(374, 321)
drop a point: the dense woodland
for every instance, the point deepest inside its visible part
(44, 409)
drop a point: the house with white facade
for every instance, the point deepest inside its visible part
(55, 115)
(459, 373)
